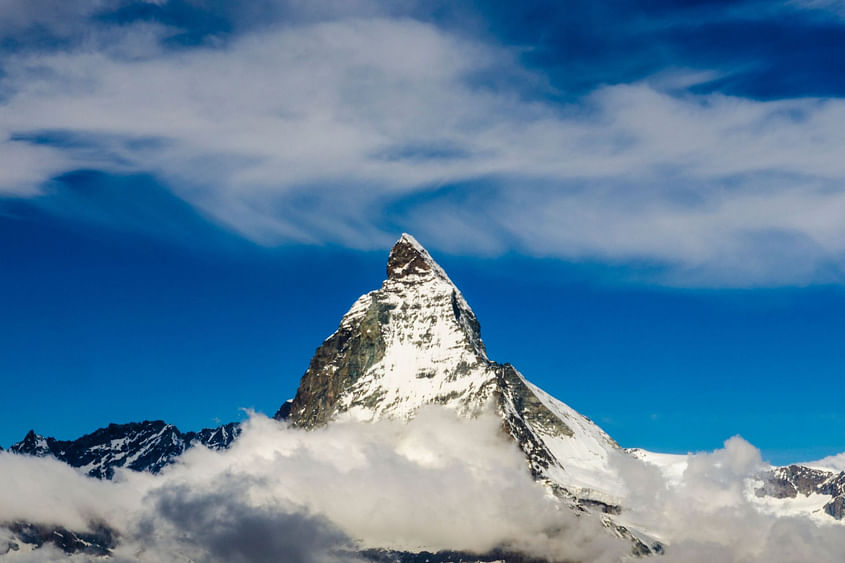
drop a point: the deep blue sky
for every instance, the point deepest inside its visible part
(642, 202)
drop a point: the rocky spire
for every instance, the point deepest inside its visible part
(410, 263)
(415, 342)
(408, 259)
(32, 444)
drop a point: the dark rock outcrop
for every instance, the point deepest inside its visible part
(97, 543)
(835, 507)
(337, 364)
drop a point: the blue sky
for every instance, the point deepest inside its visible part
(642, 201)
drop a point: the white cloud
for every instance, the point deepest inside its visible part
(435, 483)
(831, 463)
(308, 133)
(47, 491)
(25, 167)
(706, 512)
(59, 18)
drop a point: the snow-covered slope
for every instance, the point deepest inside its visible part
(415, 341)
(792, 490)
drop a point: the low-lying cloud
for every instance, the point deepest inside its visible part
(435, 483)
(220, 525)
(704, 509)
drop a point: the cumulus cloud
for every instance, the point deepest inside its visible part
(436, 483)
(220, 526)
(432, 484)
(332, 129)
(704, 508)
(47, 491)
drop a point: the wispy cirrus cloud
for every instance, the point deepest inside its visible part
(836, 7)
(319, 131)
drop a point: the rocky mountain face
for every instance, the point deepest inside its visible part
(94, 544)
(140, 446)
(414, 342)
(794, 480)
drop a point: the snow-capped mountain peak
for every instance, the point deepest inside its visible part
(409, 264)
(415, 341)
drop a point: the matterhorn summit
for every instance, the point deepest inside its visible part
(414, 342)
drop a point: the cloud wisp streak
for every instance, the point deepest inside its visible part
(314, 132)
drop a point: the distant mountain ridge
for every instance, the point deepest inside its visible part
(793, 480)
(140, 446)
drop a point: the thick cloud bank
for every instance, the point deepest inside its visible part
(283, 494)
(705, 507)
(432, 484)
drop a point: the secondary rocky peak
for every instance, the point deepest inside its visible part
(140, 446)
(32, 444)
